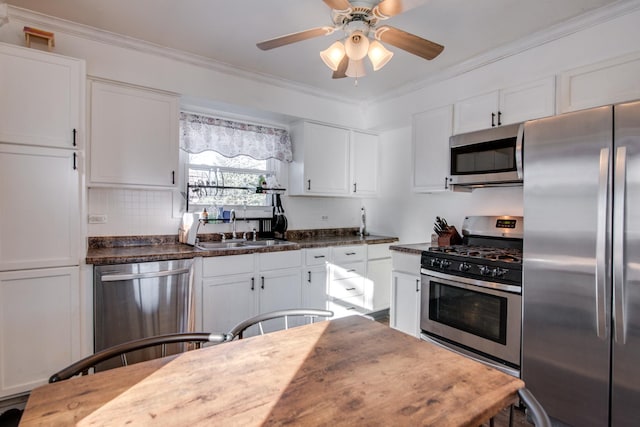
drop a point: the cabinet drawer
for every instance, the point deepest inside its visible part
(347, 288)
(347, 271)
(316, 256)
(278, 260)
(225, 265)
(341, 254)
(346, 308)
(378, 251)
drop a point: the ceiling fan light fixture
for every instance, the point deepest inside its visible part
(355, 68)
(333, 55)
(379, 55)
(356, 45)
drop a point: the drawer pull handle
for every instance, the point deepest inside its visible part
(351, 308)
(318, 256)
(350, 289)
(351, 270)
(350, 253)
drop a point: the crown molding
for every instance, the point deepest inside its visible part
(558, 31)
(102, 36)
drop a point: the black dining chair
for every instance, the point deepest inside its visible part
(309, 314)
(189, 339)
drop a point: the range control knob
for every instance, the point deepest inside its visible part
(445, 263)
(464, 267)
(498, 272)
(485, 271)
(433, 262)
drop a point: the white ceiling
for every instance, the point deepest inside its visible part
(227, 31)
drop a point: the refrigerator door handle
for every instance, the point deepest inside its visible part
(519, 140)
(601, 245)
(618, 245)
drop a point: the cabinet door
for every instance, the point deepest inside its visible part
(134, 136)
(475, 113)
(378, 284)
(404, 312)
(527, 102)
(321, 160)
(39, 326)
(40, 99)
(314, 288)
(39, 213)
(279, 290)
(603, 83)
(364, 164)
(431, 132)
(227, 301)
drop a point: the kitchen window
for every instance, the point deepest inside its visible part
(227, 161)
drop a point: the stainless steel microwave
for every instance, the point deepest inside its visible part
(487, 158)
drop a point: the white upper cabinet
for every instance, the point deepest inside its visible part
(331, 161)
(134, 136)
(599, 84)
(40, 97)
(506, 106)
(364, 164)
(431, 132)
(320, 164)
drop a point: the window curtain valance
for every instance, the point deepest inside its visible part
(231, 139)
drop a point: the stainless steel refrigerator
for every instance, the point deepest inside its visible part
(581, 284)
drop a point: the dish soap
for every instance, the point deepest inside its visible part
(363, 222)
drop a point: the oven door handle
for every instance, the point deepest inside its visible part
(468, 283)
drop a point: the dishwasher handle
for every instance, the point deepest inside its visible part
(149, 275)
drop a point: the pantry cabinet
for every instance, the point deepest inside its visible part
(41, 98)
(430, 147)
(133, 136)
(506, 106)
(404, 313)
(39, 326)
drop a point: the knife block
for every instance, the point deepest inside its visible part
(450, 237)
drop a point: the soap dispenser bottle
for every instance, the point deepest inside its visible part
(363, 222)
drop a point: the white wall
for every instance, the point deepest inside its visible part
(410, 216)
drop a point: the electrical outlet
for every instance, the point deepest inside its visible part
(97, 219)
(324, 217)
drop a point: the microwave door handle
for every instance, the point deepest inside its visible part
(519, 141)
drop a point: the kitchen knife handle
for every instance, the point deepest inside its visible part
(619, 285)
(601, 244)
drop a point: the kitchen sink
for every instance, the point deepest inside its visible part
(242, 244)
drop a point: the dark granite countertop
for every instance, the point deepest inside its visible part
(412, 248)
(132, 249)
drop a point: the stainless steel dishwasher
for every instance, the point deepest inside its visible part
(133, 301)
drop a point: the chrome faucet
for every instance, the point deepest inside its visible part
(232, 219)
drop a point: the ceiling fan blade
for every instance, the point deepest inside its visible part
(409, 42)
(341, 72)
(294, 37)
(338, 4)
(388, 8)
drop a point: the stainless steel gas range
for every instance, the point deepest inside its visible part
(472, 293)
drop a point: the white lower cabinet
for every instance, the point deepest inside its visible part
(314, 278)
(237, 287)
(39, 326)
(404, 314)
(378, 282)
(347, 271)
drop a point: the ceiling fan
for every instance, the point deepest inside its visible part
(359, 21)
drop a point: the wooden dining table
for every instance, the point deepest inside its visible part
(347, 371)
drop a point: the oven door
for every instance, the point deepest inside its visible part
(483, 317)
